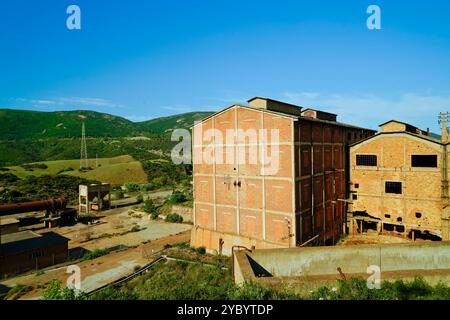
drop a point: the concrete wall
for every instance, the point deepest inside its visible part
(396, 259)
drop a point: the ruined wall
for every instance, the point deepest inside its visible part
(419, 205)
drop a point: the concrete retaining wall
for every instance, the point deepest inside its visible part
(393, 259)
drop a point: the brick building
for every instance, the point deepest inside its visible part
(245, 202)
(399, 181)
(26, 250)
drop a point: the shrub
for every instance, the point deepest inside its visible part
(55, 292)
(154, 215)
(174, 218)
(94, 254)
(201, 250)
(149, 206)
(139, 198)
(132, 187)
(176, 197)
(119, 194)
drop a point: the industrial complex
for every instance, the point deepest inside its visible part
(239, 203)
(277, 187)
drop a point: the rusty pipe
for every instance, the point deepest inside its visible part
(51, 205)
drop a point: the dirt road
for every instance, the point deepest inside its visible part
(98, 272)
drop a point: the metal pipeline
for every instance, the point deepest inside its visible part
(51, 205)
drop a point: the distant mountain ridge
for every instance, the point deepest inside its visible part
(25, 124)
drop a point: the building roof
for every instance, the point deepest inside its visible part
(393, 120)
(7, 221)
(277, 101)
(295, 117)
(420, 136)
(307, 109)
(25, 241)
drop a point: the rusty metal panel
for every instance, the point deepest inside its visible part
(305, 131)
(318, 191)
(250, 193)
(338, 157)
(318, 219)
(328, 158)
(327, 134)
(306, 194)
(226, 219)
(305, 158)
(306, 226)
(225, 190)
(338, 134)
(317, 132)
(329, 217)
(329, 186)
(317, 155)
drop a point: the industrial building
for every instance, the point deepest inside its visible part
(247, 203)
(92, 197)
(399, 183)
(26, 250)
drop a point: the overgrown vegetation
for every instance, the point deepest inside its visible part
(96, 253)
(194, 281)
(36, 188)
(174, 218)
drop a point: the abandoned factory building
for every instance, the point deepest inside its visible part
(399, 182)
(243, 203)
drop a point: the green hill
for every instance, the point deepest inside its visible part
(23, 124)
(166, 124)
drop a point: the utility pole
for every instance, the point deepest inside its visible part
(83, 152)
(443, 119)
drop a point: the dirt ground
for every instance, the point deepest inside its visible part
(100, 271)
(370, 238)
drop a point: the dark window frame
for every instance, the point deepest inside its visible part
(393, 187)
(424, 161)
(367, 160)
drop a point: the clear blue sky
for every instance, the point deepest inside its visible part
(142, 59)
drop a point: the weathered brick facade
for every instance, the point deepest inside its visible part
(400, 184)
(242, 204)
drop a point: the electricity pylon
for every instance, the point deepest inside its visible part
(83, 153)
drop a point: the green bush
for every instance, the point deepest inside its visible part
(149, 206)
(176, 197)
(94, 254)
(174, 218)
(139, 198)
(201, 250)
(54, 292)
(119, 194)
(132, 187)
(154, 215)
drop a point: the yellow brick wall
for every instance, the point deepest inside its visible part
(421, 187)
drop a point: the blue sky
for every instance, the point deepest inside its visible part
(142, 59)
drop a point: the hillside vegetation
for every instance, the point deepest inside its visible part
(23, 124)
(116, 170)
